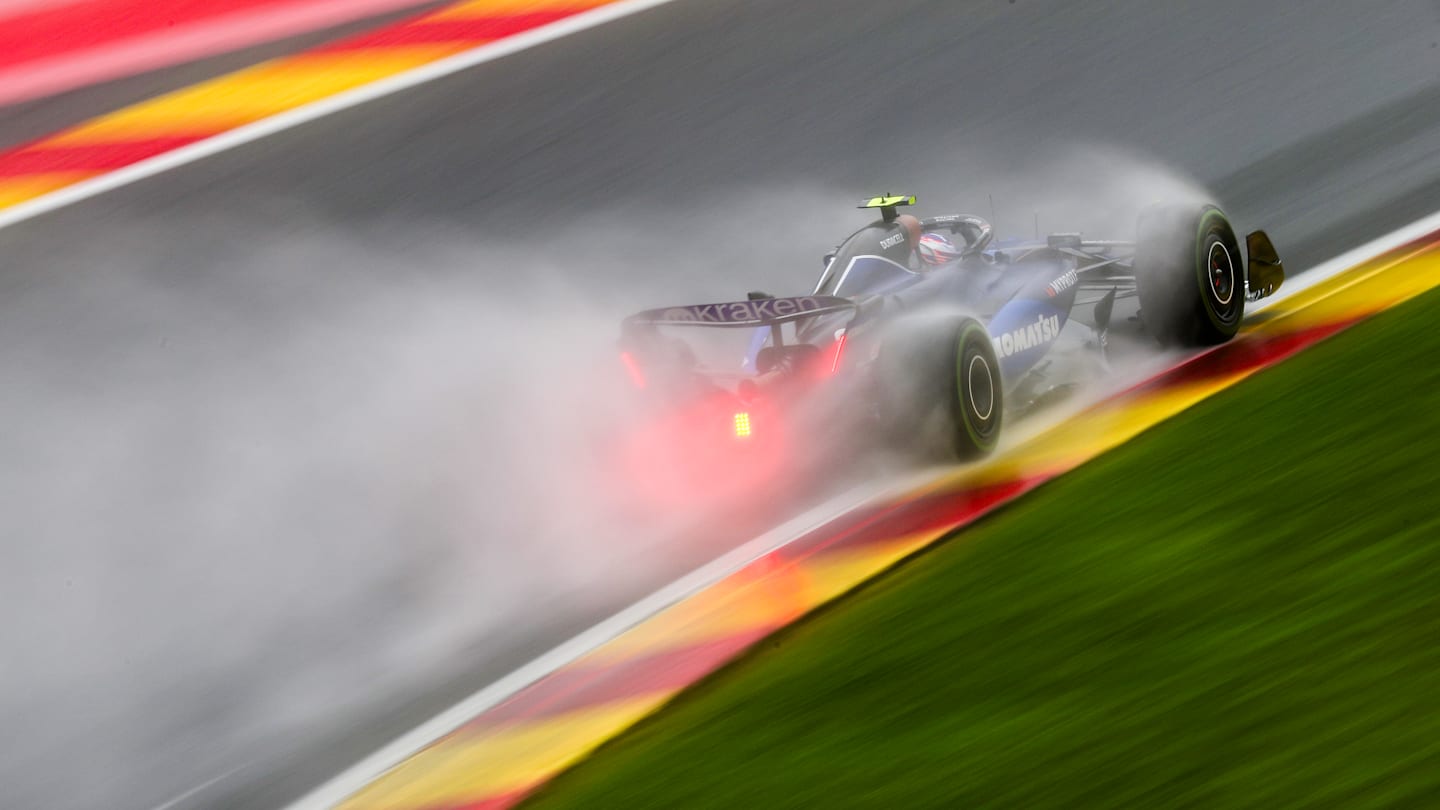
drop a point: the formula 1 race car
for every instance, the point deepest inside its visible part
(922, 330)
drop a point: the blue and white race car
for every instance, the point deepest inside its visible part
(923, 331)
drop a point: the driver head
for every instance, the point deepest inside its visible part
(935, 249)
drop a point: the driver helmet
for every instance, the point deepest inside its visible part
(935, 249)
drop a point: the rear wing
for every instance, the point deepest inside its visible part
(752, 313)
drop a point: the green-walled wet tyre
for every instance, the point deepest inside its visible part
(941, 391)
(1190, 275)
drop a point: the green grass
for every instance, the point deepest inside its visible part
(1239, 609)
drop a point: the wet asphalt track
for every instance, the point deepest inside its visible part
(615, 160)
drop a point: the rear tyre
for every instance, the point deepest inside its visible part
(941, 391)
(1189, 275)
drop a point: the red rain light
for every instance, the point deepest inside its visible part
(742, 425)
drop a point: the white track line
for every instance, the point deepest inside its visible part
(200, 788)
(319, 109)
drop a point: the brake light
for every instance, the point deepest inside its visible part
(742, 425)
(633, 368)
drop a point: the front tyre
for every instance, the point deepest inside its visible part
(1189, 275)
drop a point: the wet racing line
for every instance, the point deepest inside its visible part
(497, 746)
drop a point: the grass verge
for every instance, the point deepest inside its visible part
(1241, 608)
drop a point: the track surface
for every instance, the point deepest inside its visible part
(225, 484)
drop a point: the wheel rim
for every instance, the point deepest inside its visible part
(980, 387)
(1221, 272)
